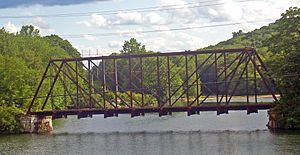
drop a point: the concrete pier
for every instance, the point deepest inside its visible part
(36, 124)
(273, 120)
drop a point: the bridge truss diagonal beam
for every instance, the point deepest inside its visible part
(154, 82)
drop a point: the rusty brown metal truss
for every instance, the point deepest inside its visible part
(118, 84)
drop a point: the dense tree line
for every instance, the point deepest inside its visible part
(23, 58)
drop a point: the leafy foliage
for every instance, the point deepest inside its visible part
(288, 110)
(8, 119)
(23, 58)
(284, 52)
(29, 30)
(284, 59)
(133, 47)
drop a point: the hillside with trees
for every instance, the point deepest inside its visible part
(279, 45)
(23, 58)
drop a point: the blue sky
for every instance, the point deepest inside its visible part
(91, 24)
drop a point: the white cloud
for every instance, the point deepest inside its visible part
(213, 12)
(225, 11)
(131, 33)
(190, 42)
(154, 18)
(86, 23)
(130, 18)
(41, 23)
(233, 11)
(162, 28)
(182, 14)
(115, 44)
(38, 23)
(98, 20)
(127, 24)
(156, 43)
(124, 18)
(167, 42)
(10, 27)
(89, 37)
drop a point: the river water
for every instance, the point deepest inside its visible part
(235, 133)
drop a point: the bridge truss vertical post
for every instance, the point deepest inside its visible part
(158, 82)
(130, 82)
(225, 90)
(115, 68)
(77, 84)
(216, 80)
(197, 79)
(169, 81)
(90, 83)
(187, 80)
(216, 91)
(249, 109)
(103, 84)
(142, 81)
(255, 81)
(247, 81)
(63, 80)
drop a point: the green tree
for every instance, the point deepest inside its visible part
(8, 119)
(284, 61)
(55, 40)
(133, 47)
(29, 30)
(23, 58)
(235, 34)
(284, 51)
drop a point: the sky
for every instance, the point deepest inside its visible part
(100, 27)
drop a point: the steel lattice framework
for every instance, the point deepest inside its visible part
(145, 83)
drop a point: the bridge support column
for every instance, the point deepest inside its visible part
(273, 120)
(36, 124)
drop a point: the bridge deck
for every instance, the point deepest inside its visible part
(81, 113)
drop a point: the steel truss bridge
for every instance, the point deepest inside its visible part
(148, 83)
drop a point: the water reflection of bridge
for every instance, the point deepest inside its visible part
(162, 83)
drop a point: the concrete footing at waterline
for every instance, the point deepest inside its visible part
(43, 124)
(273, 120)
(36, 124)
